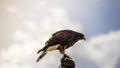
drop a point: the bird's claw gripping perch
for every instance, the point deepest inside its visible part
(67, 62)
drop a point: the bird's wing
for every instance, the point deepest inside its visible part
(58, 38)
(66, 35)
(51, 42)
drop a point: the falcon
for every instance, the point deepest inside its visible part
(60, 40)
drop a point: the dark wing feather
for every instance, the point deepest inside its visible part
(63, 36)
(53, 41)
(60, 37)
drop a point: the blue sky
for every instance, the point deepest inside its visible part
(27, 24)
(100, 16)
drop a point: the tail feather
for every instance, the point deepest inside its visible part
(39, 51)
(41, 56)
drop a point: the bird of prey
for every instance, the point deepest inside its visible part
(60, 40)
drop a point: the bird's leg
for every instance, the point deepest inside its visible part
(62, 52)
(62, 49)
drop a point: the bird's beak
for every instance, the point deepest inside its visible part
(84, 39)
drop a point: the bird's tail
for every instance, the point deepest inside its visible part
(41, 56)
(39, 51)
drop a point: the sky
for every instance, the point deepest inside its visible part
(25, 25)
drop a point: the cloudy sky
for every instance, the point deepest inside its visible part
(25, 25)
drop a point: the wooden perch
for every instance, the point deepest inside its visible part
(67, 62)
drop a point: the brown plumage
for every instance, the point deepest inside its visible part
(60, 40)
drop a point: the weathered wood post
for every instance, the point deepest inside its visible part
(67, 62)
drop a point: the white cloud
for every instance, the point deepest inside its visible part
(14, 10)
(40, 4)
(104, 49)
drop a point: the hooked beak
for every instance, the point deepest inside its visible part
(84, 39)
